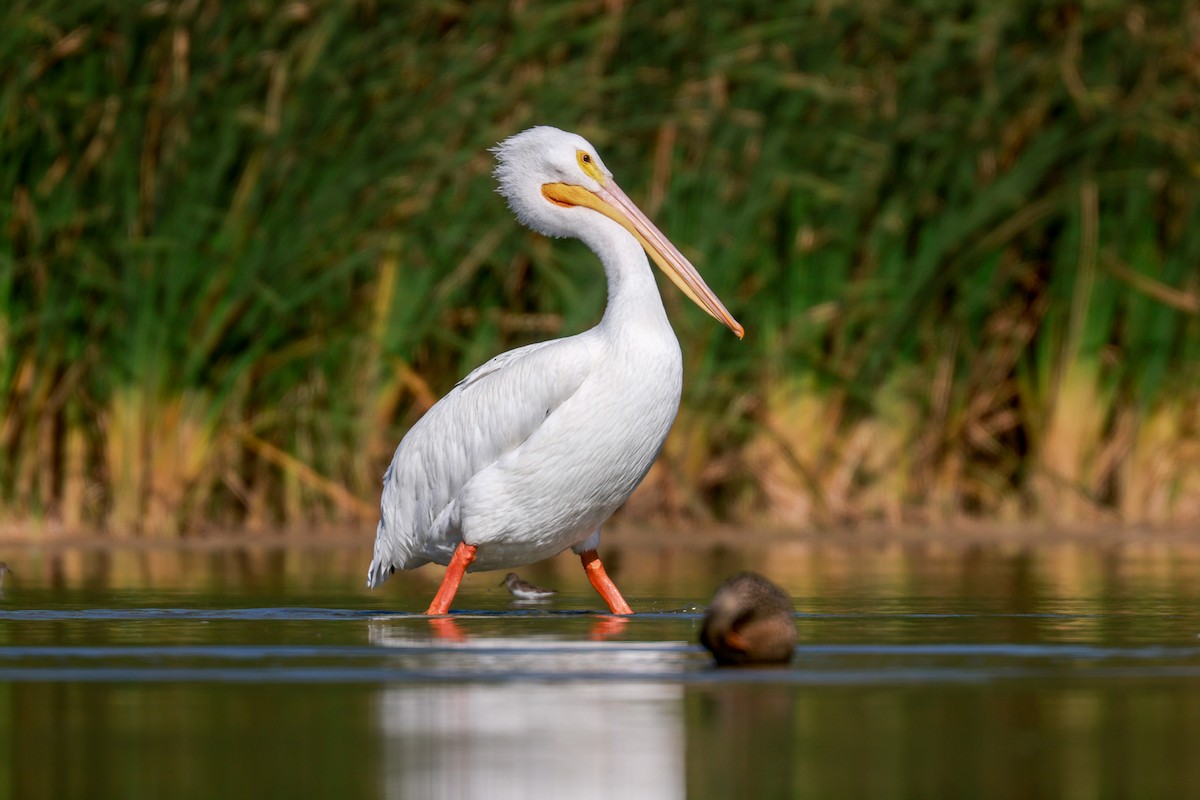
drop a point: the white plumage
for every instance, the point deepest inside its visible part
(530, 453)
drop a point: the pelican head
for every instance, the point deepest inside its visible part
(555, 182)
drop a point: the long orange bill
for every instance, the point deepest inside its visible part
(616, 205)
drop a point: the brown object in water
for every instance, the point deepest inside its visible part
(750, 621)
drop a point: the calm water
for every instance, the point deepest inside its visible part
(1065, 672)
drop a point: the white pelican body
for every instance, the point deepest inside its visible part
(529, 454)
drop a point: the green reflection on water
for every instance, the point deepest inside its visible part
(1127, 739)
(88, 740)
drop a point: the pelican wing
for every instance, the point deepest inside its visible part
(487, 414)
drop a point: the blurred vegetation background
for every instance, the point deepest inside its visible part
(245, 245)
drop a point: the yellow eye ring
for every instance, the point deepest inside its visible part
(588, 165)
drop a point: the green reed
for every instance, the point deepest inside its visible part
(248, 244)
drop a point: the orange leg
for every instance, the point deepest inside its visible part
(603, 584)
(464, 554)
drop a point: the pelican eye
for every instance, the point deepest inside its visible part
(588, 165)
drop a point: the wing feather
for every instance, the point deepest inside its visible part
(490, 412)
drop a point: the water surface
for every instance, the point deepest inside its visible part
(1069, 672)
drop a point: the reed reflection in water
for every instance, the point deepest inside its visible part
(1026, 567)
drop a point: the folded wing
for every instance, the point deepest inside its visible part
(487, 414)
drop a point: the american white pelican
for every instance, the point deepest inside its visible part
(750, 621)
(530, 453)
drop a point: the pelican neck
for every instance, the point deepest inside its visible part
(633, 296)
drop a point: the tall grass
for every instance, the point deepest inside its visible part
(249, 244)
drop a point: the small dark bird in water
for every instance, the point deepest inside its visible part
(524, 590)
(750, 621)
(4, 570)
